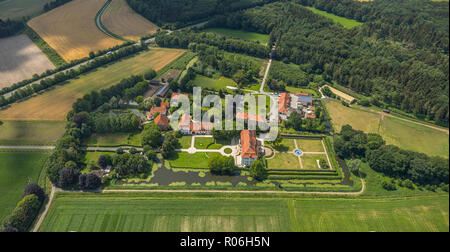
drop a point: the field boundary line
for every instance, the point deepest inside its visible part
(44, 214)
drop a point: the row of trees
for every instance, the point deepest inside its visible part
(66, 66)
(70, 74)
(182, 39)
(27, 209)
(54, 4)
(391, 160)
(411, 78)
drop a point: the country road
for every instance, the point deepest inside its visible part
(383, 114)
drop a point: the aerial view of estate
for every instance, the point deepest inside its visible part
(224, 116)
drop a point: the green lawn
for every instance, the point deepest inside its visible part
(217, 84)
(310, 161)
(16, 170)
(94, 156)
(415, 137)
(251, 36)
(185, 142)
(186, 160)
(114, 139)
(16, 9)
(283, 161)
(209, 143)
(294, 90)
(30, 132)
(285, 145)
(163, 213)
(347, 23)
(307, 145)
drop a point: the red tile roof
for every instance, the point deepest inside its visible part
(250, 117)
(284, 103)
(165, 104)
(197, 126)
(176, 95)
(162, 121)
(161, 110)
(249, 144)
(311, 116)
(303, 94)
(185, 122)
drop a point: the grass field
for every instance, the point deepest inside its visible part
(30, 132)
(294, 90)
(403, 134)
(250, 36)
(415, 137)
(360, 120)
(209, 143)
(186, 160)
(149, 212)
(16, 9)
(20, 59)
(115, 139)
(217, 84)
(71, 30)
(53, 105)
(185, 142)
(121, 20)
(16, 170)
(347, 23)
(307, 145)
(284, 161)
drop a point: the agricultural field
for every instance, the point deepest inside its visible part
(20, 60)
(121, 20)
(347, 23)
(13, 133)
(16, 9)
(404, 134)
(309, 91)
(70, 29)
(16, 170)
(54, 104)
(245, 35)
(150, 212)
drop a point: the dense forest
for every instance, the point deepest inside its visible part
(10, 27)
(404, 75)
(179, 13)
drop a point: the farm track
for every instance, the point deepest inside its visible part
(383, 114)
(102, 28)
